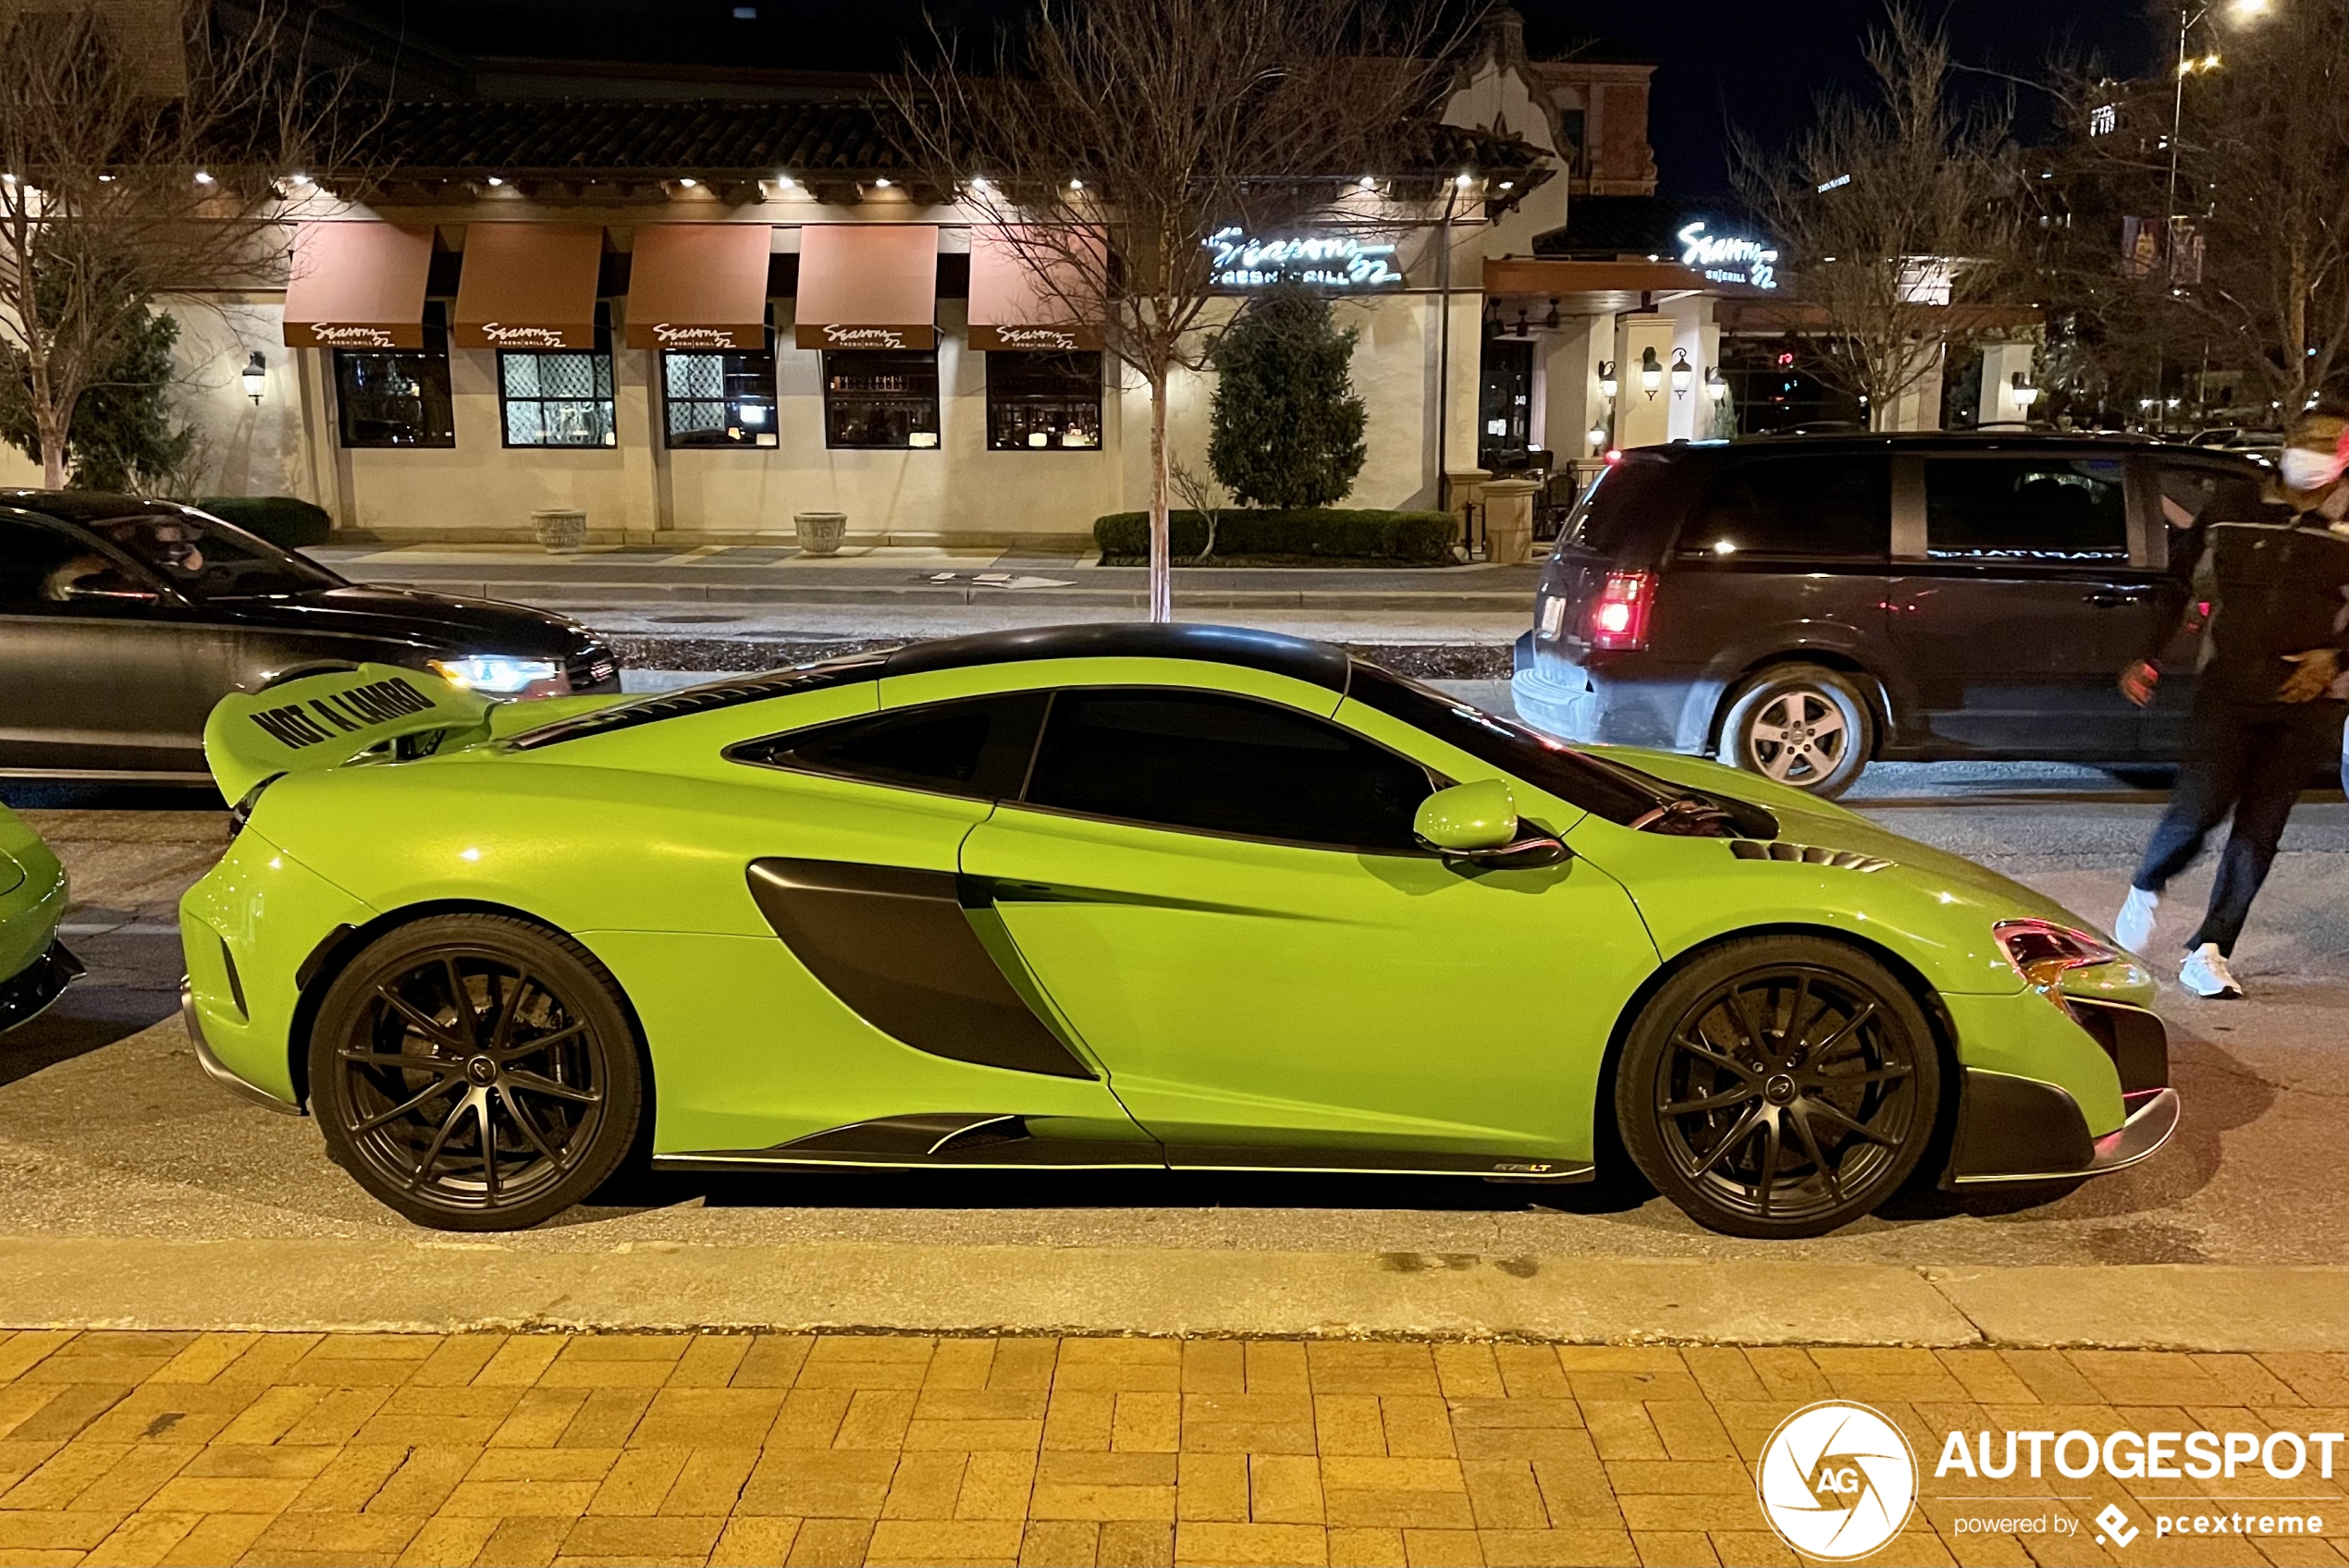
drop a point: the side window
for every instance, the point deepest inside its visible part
(2045, 509)
(1813, 509)
(1225, 765)
(2190, 493)
(979, 747)
(42, 568)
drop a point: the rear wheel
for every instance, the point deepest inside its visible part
(475, 1073)
(1778, 1086)
(1799, 724)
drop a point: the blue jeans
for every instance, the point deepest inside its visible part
(2252, 759)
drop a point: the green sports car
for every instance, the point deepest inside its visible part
(35, 968)
(1116, 896)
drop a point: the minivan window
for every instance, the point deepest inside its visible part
(2049, 509)
(1810, 507)
(1204, 762)
(1624, 491)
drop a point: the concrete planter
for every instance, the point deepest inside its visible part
(562, 532)
(820, 533)
(1508, 519)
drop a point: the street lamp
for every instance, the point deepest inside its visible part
(256, 375)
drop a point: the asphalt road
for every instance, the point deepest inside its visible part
(107, 1130)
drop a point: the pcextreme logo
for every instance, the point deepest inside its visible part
(1836, 1480)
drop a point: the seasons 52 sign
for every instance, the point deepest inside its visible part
(1724, 258)
(1345, 262)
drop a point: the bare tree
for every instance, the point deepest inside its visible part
(1894, 214)
(1118, 138)
(2256, 272)
(135, 162)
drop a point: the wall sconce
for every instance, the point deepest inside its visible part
(1551, 321)
(1683, 373)
(1716, 386)
(2025, 393)
(1521, 324)
(1651, 373)
(256, 375)
(1608, 385)
(1598, 437)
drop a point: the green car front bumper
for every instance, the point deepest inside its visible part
(35, 967)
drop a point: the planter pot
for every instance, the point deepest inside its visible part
(820, 533)
(561, 531)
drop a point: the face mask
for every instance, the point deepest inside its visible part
(2304, 470)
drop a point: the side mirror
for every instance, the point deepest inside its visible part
(1478, 823)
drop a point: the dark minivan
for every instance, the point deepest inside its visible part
(124, 619)
(1800, 605)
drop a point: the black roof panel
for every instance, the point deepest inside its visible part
(1320, 664)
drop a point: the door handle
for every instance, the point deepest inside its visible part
(2104, 599)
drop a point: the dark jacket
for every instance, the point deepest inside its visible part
(2277, 583)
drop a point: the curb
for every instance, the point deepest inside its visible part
(445, 1285)
(1431, 661)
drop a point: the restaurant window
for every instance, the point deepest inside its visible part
(881, 397)
(398, 397)
(1045, 402)
(723, 398)
(558, 397)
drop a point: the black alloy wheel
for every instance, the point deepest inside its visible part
(475, 1073)
(1779, 1087)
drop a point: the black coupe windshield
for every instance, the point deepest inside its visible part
(202, 557)
(1616, 792)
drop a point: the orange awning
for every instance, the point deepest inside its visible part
(868, 285)
(699, 286)
(528, 285)
(357, 285)
(1014, 306)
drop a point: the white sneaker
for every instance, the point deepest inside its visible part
(2205, 975)
(2132, 928)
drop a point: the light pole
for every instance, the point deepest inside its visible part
(2188, 16)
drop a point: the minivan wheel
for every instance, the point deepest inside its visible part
(1802, 725)
(475, 1073)
(1778, 1086)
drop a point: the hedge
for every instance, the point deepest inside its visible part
(285, 521)
(1305, 534)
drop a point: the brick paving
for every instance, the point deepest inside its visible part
(283, 1448)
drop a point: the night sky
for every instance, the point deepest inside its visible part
(1753, 63)
(1758, 64)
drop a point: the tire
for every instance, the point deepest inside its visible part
(1802, 725)
(1753, 1135)
(494, 1116)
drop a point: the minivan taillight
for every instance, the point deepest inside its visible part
(1619, 615)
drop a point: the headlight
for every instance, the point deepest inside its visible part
(495, 673)
(2041, 951)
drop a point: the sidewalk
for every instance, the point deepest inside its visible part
(847, 1449)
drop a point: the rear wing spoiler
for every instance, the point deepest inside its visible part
(320, 721)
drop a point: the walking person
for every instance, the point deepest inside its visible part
(2269, 697)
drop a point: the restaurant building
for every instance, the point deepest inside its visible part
(691, 318)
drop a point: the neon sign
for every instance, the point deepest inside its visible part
(1240, 261)
(1725, 260)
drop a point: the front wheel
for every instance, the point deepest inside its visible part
(1778, 1086)
(1799, 724)
(475, 1073)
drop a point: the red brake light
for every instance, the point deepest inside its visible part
(1619, 616)
(1613, 455)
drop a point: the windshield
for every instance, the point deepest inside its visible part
(1616, 792)
(202, 557)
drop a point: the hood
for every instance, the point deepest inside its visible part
(443, 623)
(1805, 819)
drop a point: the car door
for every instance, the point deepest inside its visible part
(2190, 489)
(1221, 895)
(93, 673)
(2023, 591)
